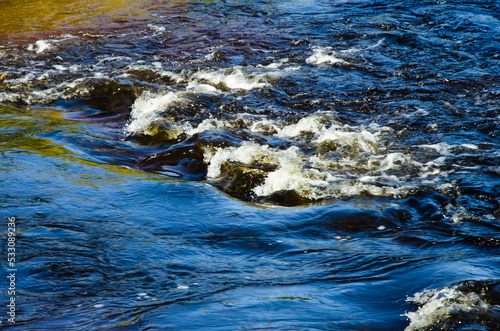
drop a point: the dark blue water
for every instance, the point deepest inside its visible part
(232, 165)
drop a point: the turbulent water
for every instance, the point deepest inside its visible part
(262, 165)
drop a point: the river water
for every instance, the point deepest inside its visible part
(251, 165)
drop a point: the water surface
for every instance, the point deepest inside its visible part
(230, 165)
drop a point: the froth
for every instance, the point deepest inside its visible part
(234, 79)
(40, 46)
(324, 55)
(324, 158)
(317, 175)
(312, 124)
(436, 305)
(147, 112)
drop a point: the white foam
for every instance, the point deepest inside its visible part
(156, 28)
(206, 124)
(360, 49)
(263, 126)
(238, 78)
(209, 56)
(202, 88)
(436, 305)
(361, 140)
(326, 129)
(113, 59)
(157, 68)
(25, 79)
(40, 46)
(324, 55)
(341, 160)
(393, 161)
(307, 124)
(446, 149)
(147, 110)
(292, 172)
(292, 176)
(470, 146)
(235, 79)
(95, 35)
(441, 148)
(275, 65)
(247, 154)
(359, 166)
(60, 67)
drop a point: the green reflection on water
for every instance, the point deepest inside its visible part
(20, 132)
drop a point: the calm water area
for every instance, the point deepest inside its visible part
(250, 165)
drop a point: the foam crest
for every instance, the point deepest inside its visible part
(362, 49)
(234, 79)
(154, 69)
(324, 55)
(275, 65)
(73, 68)
(156, 28)
(206, 124)
(313, 124)
(361, 141)
(295, 171)
(328, 131)
(248, 153)
(437, 305)
(291, 175)
(40, 46)
(327, 159)
(147, 110)
(446, 149)
(263, 126)
(441, 148)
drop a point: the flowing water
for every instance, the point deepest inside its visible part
(251, 165)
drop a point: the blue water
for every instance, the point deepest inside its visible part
(230, 165)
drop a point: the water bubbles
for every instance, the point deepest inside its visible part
(144, 296)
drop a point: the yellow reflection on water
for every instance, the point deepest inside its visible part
(20, 131)
(20, 16)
